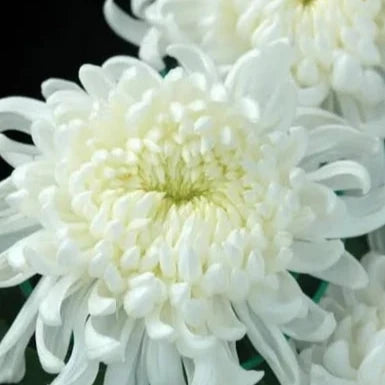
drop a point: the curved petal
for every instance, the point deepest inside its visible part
(343, 175)
(95, 81)
(17, 113)
(312, 117)
(277, 305)
(349, 216)
(218, 367)
(347, 272)
(164, 365)
(250, 78)
(15, 222)
(99, 303)
(15, 153)
(312, 256)
(138, 75)
(376, 240)
(13, 269)
(271, 345)
(365, 214)
(52, 342)
(12, 363)
(371, 370)
(138, 6)
(156, 328)
(333, 142)
(49, 361)
(191, 344)
(123, 373)
(194, 60)
(123, 25)
(100, 345)
(79, 370)
(26, 316)
(316, 325)
(313, 96)
(50, 308)
(337, 360)
(224, 323)
(51, 86)
(319, 376)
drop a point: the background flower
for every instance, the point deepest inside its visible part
(339, 45)
(354, 354)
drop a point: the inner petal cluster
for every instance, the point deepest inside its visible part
(173, 188)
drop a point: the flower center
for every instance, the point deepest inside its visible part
(306, 3)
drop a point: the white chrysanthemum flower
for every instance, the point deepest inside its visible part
(164, 216)
(355, 353)
(339, 45)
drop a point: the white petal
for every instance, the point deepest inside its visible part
(124, 25)
(377, 240)
(100, 346)
(194, 60)
(79, 370)
(347, 272)
(95, 81)
(12, 363)
(319, 376)
(16, 222)
(49, 361)
(343, 175)
(312, 117)
(337, 360)
(13, 269)
(365, 214)
(219, 368)
(118, 65)
(26, 316)
(42, 135)
(50, 308)
(271, 345)
(99, 303)
(371, 370)
(53, 85)
(16, 153)
(277, 305)
(124, 373)
(251, 77)
(53, 342)
(138, 6)
(151, 49)
(190, 344)
(313, 96)
(17, 113)
(316, 325)
(223, 322)
(315, 256)
(156, 328)
(164, 365)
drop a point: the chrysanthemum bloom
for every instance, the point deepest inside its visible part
(164, 216)
(339, 44)
(355, 353)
